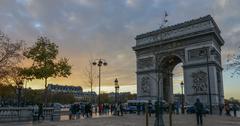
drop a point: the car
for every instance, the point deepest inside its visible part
(191, 110)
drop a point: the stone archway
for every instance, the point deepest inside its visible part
(166, 65)
(197, 44)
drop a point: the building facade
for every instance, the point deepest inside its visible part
(76, 91)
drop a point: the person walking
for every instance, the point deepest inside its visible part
(40, 112)
(121, 109)
(118, 109)
(138, 108)
(77, 111)
(150, 108)
(111, 108)
(227, 109)
(235, 110)
(177, 106)
(199, 110)
(220, 109)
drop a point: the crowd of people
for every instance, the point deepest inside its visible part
(86, 110)
(78, 110)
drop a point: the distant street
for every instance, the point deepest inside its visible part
(134, 120)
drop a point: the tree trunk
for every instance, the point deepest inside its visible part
(46, 92)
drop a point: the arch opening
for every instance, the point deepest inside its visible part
(171, 68)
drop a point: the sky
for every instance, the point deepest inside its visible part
(91, 29)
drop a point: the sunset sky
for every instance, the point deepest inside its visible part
(90, 29)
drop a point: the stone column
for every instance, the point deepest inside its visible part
(170, 92)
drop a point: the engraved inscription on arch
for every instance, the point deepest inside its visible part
(145, 63)
(175, 33)
(196, 54)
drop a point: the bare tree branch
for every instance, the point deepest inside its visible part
(89, 74)
(10, 55)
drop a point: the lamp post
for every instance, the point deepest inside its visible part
(205, 52)
(182, 97)
(99, 63)
(19, 88)
(116, 90)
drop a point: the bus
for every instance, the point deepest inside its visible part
(132, 105)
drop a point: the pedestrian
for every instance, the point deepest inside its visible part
(138, 108)
(40, 111)
(227, 109)
(118, 109)
(107, 109)
(90, 109)
(150, 108)
(78, 112)
(177, 106)
(82, 109)
(121, 109)
(220, 109)
(111, 109)
(86, 110)
(235, 110)
(199, 110)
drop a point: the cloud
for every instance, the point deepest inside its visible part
(106, 28)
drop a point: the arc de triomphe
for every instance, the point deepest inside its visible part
(197, 45)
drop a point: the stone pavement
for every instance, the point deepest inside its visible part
(134, 120)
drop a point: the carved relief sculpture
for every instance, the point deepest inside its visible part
(145, 86)
(199, 82)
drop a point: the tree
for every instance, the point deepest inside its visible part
(7, 94)
(233, 100)
(33, 97)
(89, 75)
(62, 98)
(233, 63)
(10, 56)
(45, 64)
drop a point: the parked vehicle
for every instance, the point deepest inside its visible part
(191, 110)
(132, 105)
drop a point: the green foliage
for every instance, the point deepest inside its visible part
(30, 97)
(233, 100)
(45, 64)
(7, 93)
(105, 98)
(33, 96)
(62, 98)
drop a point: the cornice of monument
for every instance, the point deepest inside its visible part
(175, 39)
(180, 25)
(181, 29)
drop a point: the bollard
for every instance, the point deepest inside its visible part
(146, 113)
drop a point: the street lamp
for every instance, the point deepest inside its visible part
(99, 63)
(205, 52)
(116, 90)
(19, 88)
(182, 84)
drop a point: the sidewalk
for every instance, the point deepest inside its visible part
(134, 120)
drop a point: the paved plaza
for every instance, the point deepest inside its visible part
(134, 120)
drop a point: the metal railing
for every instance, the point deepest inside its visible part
(8, 114)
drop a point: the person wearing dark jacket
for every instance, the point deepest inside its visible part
(138, 108)
(40, 111)
(199, 110)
